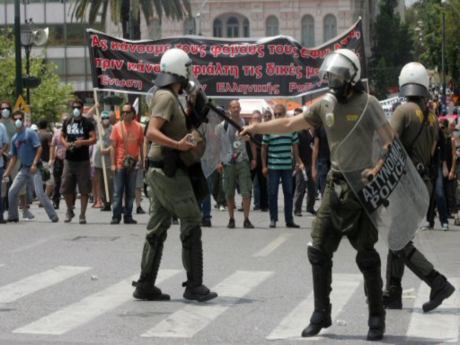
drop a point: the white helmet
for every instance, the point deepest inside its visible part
(414, 80)
(175, 67)
(343, 63)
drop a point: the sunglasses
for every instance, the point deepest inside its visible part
(279, 114)
(127, 112)
(7, 108)
(76, 107)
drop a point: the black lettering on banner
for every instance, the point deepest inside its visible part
(269, 67)
(376, 193)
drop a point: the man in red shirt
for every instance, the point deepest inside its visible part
(127, 140)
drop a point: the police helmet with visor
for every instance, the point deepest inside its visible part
(414, 81)
(175, 67)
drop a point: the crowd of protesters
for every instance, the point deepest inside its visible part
(54, 163)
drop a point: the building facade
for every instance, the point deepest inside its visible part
(311, 22)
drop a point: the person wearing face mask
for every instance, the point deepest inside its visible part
(340, 213)
(8, 122)
(77, 135)
(127, 141)
(6, 118)
(25, 146)
(57, 156)
(4, 143)
(103, 151)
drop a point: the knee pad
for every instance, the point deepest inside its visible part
(153, 240)
(368, 260)
(191, 236)
(317, 257)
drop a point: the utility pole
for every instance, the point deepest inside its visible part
(18, 51)
(443, 58)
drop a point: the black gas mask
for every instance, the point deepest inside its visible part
(339, 87)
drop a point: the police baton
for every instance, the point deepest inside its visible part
(221, 112)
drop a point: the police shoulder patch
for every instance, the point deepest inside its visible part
(352, 117)
(419, 114)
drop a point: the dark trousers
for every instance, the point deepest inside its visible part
(438, 201)
(449, 192)
(324, 166)
(274, 177)
(300, 187)
(57, 175)
(218, 189)
(124, 182)
(261, 186)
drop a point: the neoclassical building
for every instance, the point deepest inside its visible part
(311, 22)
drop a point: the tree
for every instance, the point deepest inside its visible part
(49, 99)
(425, 21)
(392, 48)
(120, 12)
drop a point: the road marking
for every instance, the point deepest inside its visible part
(439, 325)
(29, 246)
(193, 318)
(343, 287)
(14, 291)
(271, 246)
(88, 308)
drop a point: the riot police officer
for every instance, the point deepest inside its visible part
(172, 192)
(340, 212)
(417, 128)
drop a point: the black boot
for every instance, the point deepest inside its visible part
(322, 279)
(146, 290)
(392, 297)
(440, 290)
(151, 258)
(369, 264)
(192, 257)
(422, 268)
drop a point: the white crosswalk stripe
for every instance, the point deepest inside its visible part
(439, 325)
(88, 308)
(272, 246)
(14, 291)
(190, 320)
(343, 287)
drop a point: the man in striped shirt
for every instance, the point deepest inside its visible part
(279, 152)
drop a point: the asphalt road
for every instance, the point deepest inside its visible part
(71, 284)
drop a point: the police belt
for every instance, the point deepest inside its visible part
(336, 175)
(156, 164)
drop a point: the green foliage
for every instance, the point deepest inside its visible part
(119, 10)
(392, 48)
(48, 100)
(52, 97)
(425, 20)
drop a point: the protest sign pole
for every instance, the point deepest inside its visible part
(100, 130)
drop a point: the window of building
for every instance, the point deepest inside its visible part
(272, 26)
(189, 26)
(245, 27)
(233, 27)
(217, 28)
(330, 27)
(308, 31)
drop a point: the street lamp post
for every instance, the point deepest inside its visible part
(27, 42)
(443, 58)
(17, 43)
